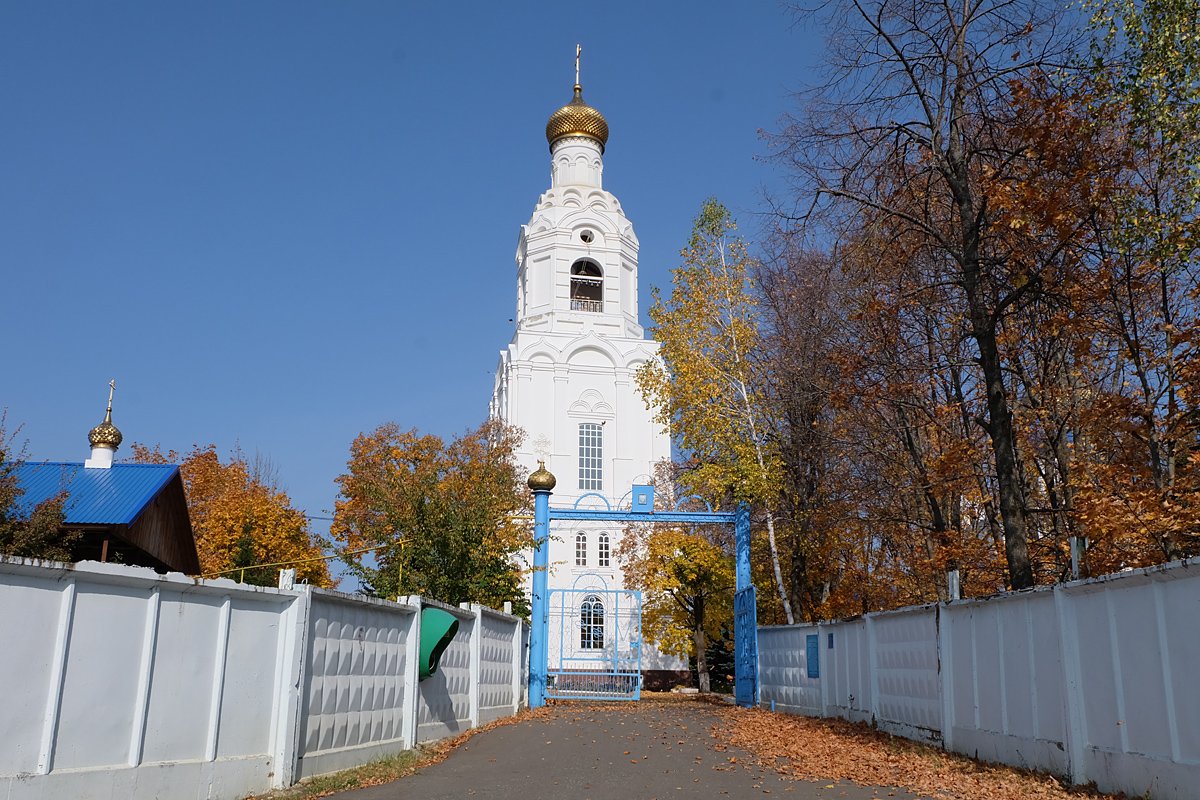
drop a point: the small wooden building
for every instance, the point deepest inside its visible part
(130, 513)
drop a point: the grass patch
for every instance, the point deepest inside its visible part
(383, 770)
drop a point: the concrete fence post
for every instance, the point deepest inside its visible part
(944, 632)
(412, 672)
(872, 667)
(137, 738)
(518, 677)
(1073, 700)
(825, 664)
(476, 670)
(291, 667)
(58, 671)
(220, 656)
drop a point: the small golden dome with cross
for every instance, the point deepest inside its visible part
(577, 118)
(106, 434)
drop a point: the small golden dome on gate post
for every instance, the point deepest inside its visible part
(542, 480)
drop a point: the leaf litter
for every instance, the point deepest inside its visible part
(812, 749)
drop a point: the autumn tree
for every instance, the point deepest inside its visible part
(29, 533)
(686, 576)
(903, 137)
(1146, 74)
(707, 389)
(241, 518)
(440, 515)
(801, 308)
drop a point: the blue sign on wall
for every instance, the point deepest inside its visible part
(813, 646)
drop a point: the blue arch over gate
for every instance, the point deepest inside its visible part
(745, 619)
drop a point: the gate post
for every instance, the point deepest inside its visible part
(741, 528)
(541, 482)
(745, 616)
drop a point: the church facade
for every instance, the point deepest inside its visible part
(567, 376)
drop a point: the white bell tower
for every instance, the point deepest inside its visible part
(567, 376)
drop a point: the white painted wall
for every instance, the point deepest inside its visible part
(357, 695)
(125, 683)
(447, 699)
(1090, 680)
(500, 666)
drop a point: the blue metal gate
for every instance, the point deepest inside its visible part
(595, 643)
(745, 635)
(613, 671)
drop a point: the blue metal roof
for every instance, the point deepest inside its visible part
(113, 496)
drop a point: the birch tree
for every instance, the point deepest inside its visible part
(707, 389)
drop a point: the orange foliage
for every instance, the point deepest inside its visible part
(241, 519)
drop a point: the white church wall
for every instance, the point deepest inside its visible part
(566, 366)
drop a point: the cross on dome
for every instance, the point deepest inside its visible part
(105, 435)
(577, 118)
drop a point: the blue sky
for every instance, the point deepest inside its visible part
(279, 224)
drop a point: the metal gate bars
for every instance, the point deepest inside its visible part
(595, 642)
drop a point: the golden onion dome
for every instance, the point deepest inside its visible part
(542, 479)
(577, 118)
(105, 434)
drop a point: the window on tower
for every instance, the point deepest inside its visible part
(581, 549)
(604, 551)
(591, 456)
(587, 286)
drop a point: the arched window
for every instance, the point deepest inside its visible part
(603, 550)
(581, 549)
(587, 286)
(591, 456)
(591, 623)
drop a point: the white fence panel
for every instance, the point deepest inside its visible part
(138, 685)
(445, 701)
(908, 699)
(145, 683)
(1007, 685)
(783, 670)
(355, 681)
(846, 672)
(500, 636)
(1093, 680)
(1138, 651)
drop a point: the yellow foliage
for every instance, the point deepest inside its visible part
(687, 582)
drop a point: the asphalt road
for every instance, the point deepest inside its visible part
(636, 751)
